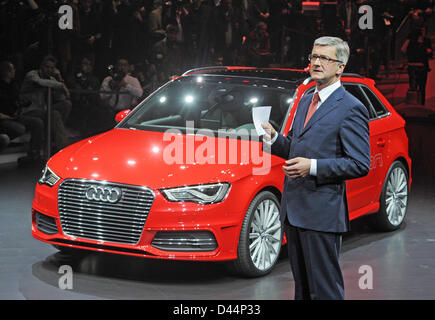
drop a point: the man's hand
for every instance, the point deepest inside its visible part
(57, 75)
(66, 91)
(297, 167)
(123, 83)
(270, 131)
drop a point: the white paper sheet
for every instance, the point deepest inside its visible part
(260, 115)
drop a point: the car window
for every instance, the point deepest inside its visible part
(377, 105)
(213, 103)
(355, 90)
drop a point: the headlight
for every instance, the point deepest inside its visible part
(202, 194)
(48, 177)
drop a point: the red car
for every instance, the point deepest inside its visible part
(183, 176)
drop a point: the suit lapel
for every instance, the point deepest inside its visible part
(301, 114)
(323, 110)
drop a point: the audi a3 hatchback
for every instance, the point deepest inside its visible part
(184, 175)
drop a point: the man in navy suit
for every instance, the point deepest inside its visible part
(327, 145)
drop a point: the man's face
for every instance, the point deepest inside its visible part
(325, 71)
(47, 69)
(123, 66)
(86, 66)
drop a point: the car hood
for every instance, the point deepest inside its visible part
(144, 158)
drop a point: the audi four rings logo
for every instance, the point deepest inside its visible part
(104, 194)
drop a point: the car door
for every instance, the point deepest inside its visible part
(380, 128)
(362, 192)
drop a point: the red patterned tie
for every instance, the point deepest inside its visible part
(312, 108)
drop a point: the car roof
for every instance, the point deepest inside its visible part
(284, 74)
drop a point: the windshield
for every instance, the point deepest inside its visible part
(212, 102)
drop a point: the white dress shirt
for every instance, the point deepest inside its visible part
(128, 96)
(323, 95)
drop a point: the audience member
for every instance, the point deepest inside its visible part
(259, 46)
(87, 114)
(167, 55)
(418, 49)
(34, 89)
(88, 31)
(121, 90)
(65, 38)
(155, 25)
(348, 12)
(230, 35)
(12, 122)
(200, 32)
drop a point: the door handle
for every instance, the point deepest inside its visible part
(381, 143)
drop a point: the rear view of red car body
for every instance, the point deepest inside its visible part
(116, 192)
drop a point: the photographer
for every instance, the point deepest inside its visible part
(123, 90)
(12, 122)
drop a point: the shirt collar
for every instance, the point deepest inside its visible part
(326, 92)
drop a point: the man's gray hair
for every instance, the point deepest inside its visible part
(341, 47)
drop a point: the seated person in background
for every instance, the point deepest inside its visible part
(12, 122)
(34, 89)
(121, 90)
(87, 115)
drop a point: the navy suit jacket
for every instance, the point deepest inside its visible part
(337, 135)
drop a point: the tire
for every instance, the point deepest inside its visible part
(260, 237)
(394, 199)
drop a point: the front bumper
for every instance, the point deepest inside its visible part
(180, 231)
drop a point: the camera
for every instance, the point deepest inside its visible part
(117, 76)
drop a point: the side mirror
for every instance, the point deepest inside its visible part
(121, 115)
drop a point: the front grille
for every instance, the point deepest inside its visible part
(184, 241)
(120, 222)
(45, 223)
